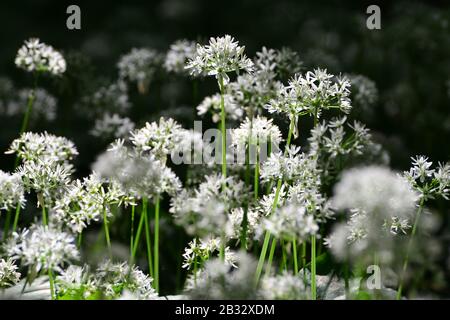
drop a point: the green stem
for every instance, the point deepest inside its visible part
(79, 239)
(16, 219)
(304, 261)
(137, 238)
(294, 252)
(247, 203)
(108, 240)
(313, 268)
(256, 181)
(271, 253)
(156, 246)
(42, 204)
(52, 284)
(284, 256)
(223, 127)
(408, 250)
(7, 224)
(147, 237)
(132, 228)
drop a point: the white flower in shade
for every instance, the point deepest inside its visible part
(112, 98)
(364, 91)
(429, 182)
(43, 147)
(285, 286)
(113, 278)
(158, 138)
(177, 56)
(236, 218)
(220, 280)
(212, 105)
(376, 190)
(8, 273)
(257, 131)
(112, 126)
(199, 251)
(288, 62)
(312, 93)
(43, 248)
(140, 66)
(221, 56)
(267, 201)
(35, 56)
(44, 104)
(290, 222)
(11, 191)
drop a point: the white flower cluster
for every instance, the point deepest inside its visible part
(285, 286)
(112, 126)
(9, 275)
(42, 248)
(109, 98)
(427, 181)
(178, 55)
(220, 56)
(212, 105)
(236, 218)
(312, 93)
(140, 66)
(35, 56)
(200, 251)
(44, 104)
(257, 131)
(364, 91)
(11, 191)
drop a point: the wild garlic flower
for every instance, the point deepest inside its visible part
(427, 181)
(219, 280)
(364, 92)
(43, 248)
(311, 94)
(113, 278)
(292, 166)
(199, 251)
(177, 56)
(285, 286)
(44, 147)
(110, 98)
(307, 194)
(376, 190)
(236, 218)
(290, 222)
(221, 56)
(35, 56)
(265, 205)
(44, 104)
(257, 131)
(11, 191)
(75, 282)
(83, 202)
(158, 138)
(9, 275)
(112, 126)
(287, 62)
(212, 105)
(48, 179)
(140, 66)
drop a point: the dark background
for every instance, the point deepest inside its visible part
(408, 59)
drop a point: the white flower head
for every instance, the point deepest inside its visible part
(11, 191)
(177, 56)
(9, 275)
(35, 56)
(258, 131)
(212, 105)
(112, 125)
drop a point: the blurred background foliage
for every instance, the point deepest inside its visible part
(408, 59)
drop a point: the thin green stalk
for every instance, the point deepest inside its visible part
(284, 256)
(108, 240)
(304, 261)
(294, 252)
(256, 181)
(16, 219)
(222, 248)
(262, 256)
(52, 284)
(147, 237)
(42, 204)
(313, 268)
(137, 238)
(223, 127)
(408, 250)
(79, 239)
(243, 237)
(271, 253)
(7, 224)
(132, 228)
(156, 245)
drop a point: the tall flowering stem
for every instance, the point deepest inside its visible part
(147, 236)
(156, 245)
(108, 240)
(262, 256)
(313, 268)
(223, 127)
(408, 250)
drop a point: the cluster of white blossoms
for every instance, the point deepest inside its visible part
(44, 104)
(112, 126)
(11, 191)
(364, 91)
(257, 131)
(427, 181)
(221, 56)
(219, 280)
(42, 248)
(35, 56)
(234, 227)
(312, 93)
(291, 222)
(9, 275)
(108, 98)
(211, 105)
(177, 56)
(285, 286)
(140, 66)
(199, 251)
